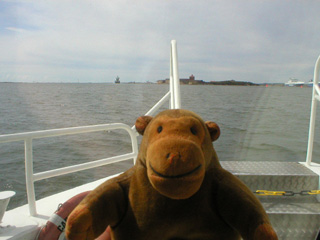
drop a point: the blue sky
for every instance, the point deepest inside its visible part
(94, 41)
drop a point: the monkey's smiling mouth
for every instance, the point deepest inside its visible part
(176, 176)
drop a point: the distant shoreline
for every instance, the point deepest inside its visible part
(196, 82)
(221, 83)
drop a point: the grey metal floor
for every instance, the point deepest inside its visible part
(293, 217)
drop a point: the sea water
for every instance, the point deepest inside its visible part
(257, 124)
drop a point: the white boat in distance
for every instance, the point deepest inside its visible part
(293, 82)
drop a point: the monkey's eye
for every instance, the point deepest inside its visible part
(193, 130)
(159, 129)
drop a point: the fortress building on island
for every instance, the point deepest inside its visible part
(190, 81)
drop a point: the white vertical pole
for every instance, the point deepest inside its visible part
(172, 103)
(175, 73)
(313, 112)
(29, 177)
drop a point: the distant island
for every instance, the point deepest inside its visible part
(192, 81)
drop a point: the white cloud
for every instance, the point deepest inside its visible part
(18, 30)
(217, 40)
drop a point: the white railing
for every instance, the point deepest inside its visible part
(28, 137)
(174, 77)
(174, 91)
(315, 98)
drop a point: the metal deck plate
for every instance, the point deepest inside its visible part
(274, 176)
(294, 218)
(296, 227)
(266, 168)
(292, 208)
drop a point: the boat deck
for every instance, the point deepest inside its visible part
(293, 217)
(18, 223)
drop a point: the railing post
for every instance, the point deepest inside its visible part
(134, 144)
(171, 86)
(174, 76)
(29, 176)
(315, 97)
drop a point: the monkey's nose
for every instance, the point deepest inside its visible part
(173, 157)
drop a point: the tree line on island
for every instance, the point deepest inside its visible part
(192, 81)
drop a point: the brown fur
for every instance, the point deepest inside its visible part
(176, 190)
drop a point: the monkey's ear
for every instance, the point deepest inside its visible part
(214, 130)
(142, 123)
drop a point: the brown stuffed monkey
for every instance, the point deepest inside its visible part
(176, 190)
